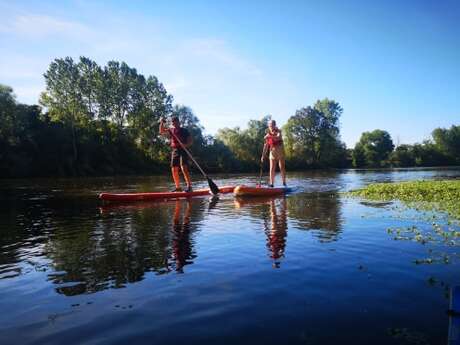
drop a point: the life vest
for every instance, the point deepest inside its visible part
(181, 133)
(274, 140)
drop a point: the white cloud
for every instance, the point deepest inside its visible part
(35, 25)
(223, 87)
(175, 84)
(218, 51)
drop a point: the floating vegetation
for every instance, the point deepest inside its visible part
(408, 336)
(447, 236)
(441, 196)
(438, 235)
(432, 200)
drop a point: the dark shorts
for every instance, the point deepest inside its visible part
(178, 157)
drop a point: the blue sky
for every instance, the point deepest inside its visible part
(392, 65)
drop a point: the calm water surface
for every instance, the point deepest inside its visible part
(313, 267)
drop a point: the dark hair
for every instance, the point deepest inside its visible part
(174, 118)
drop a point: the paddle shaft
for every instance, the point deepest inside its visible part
(264, 152)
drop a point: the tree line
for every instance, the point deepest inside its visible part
(103, 120)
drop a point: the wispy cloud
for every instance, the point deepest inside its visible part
(175, 84)
(206, 73)
(219, 51)
(36, 25)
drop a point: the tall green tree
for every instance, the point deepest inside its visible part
(150, 102)
(301, 135)
(21, 151)
(247, 144)
(237, 141)
(89, 76)
(402, 156)
(313, 135)
(7, 116)
(447, 141)
(63, 98)
(373, 148)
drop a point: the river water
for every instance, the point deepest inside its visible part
(313, 267)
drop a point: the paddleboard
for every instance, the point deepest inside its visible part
(243, 190)
(131, 197)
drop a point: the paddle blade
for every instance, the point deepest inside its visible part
(213, 187)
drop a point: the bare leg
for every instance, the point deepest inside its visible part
(282, 170)
(175, 174)
(186, 175)
(272, 171)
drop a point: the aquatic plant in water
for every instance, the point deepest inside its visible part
(438, 198)
(441, 195)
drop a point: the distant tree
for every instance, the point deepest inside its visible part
(256, 132)
(150, 103)
(20, 126)
(427, 154)
(218, 157)
(375, 147)
(312, 136)
(63, 98)
(246, 145)
(358, 157)
(447, 141)
(237, 141)
(111, 105)
(120, 77)
(7, 116)
(403, 156)
(89, 77)
(104, 120)
(301, 134)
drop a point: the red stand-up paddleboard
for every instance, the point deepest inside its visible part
(243, 190)
(131, 197)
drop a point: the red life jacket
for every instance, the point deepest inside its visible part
(181, 133)
(273, 140)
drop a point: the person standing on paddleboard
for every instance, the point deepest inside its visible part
(179, 157)
(274, 141)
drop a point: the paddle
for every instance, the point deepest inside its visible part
(212, 186)
(264, 152)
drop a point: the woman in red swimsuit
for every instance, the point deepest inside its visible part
(274, 140)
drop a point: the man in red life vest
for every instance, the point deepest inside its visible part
(179, 157)
(274, 141)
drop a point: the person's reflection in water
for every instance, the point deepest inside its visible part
(181, 246)
(277, 231)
